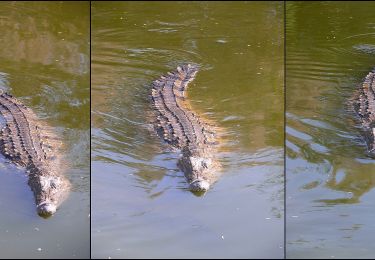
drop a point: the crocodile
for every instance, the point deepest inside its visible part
(24, 142)
(364, 106)
(183, 129)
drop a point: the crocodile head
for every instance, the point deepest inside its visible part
(199, 172)
(199, 180)
(49, 191)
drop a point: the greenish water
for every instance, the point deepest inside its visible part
(44, 62)
(330, 181)
(140, 202)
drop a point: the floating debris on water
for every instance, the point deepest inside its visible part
(221, 41)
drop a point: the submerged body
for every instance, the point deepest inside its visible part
(364, 105)
(180, 127)
(24, 143)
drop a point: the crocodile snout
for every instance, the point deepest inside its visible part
(199, 185)
(46, 209)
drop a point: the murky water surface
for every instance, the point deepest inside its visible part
(330, 181)
(44, 62)
(140, 203)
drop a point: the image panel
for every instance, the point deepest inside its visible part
(330, 108)
(45, 130)
(187, 130)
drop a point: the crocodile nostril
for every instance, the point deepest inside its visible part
(199, 185)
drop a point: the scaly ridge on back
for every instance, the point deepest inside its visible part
(28, 140)
(364, 105)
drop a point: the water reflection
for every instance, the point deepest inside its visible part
(49, 38)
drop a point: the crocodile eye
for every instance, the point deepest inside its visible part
(206, 163)
(53, 184)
